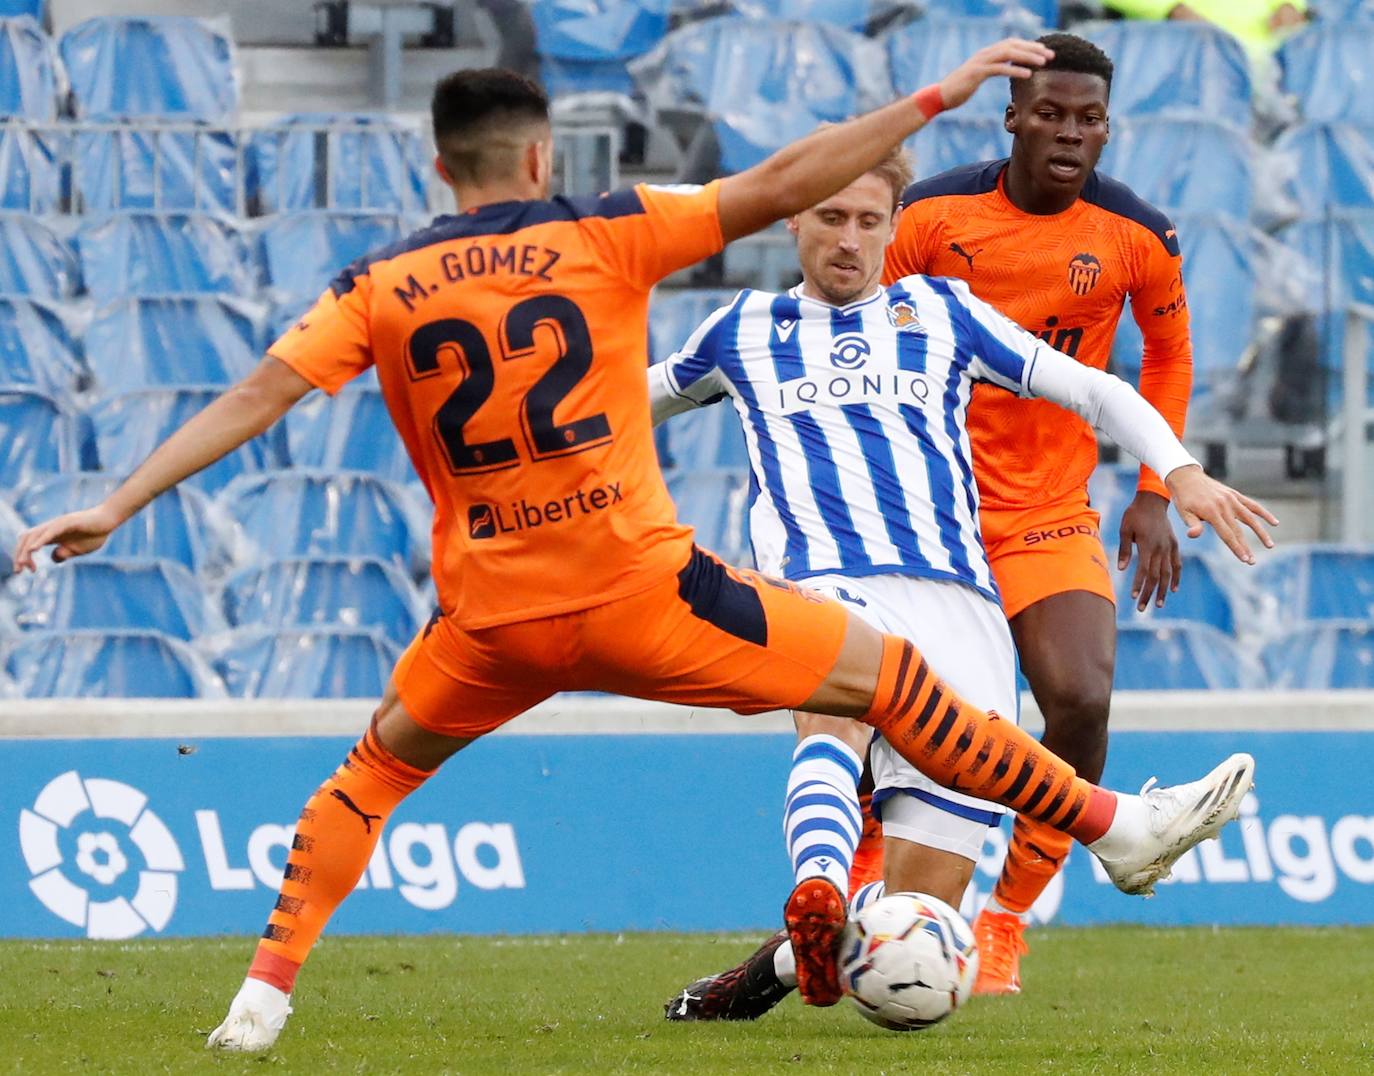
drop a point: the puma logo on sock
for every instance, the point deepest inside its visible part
(342, 796)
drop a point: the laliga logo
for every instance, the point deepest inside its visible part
(78, 842)
(848, 351)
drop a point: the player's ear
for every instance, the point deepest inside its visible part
(792, 226)
(441, 170)
(1009, 118)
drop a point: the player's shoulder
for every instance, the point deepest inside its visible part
(496, 220)
(1114, 197)
(965, 181)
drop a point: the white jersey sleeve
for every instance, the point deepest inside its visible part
(1007, 355)
(691, 376)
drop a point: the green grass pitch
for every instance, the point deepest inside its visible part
(1116, 1000)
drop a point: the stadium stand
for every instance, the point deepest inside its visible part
(1323, 657)
(149, 68)
(115, 594)
(360, 592)
(129, 425)
(713, 500)
(1316, 582)
(348, 432)
(151, 341)
(108, 665)
(34, 261)
(178, 526)
(323, 513)
(41, 436)
(336, 161)
(921, 52)
(11, 526)
(306, 663)
(28, 83)
(1205, 597)
(1176, 68)
(161, 167)
(1329, 164)
(37, 349)
(137, 253)
(1184, 165)
(1326, 68)
(302, 252)
(584, 45)
(32, 163)
(1182, 657)
(952, 140)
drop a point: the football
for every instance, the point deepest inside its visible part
(907, 961)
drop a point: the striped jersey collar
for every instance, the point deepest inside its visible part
(857, 304)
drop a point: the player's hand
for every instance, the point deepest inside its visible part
(74, 535)
(1159, 567)
(1012, 58)
(1201, 499)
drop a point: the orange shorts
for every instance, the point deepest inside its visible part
(1038, 552)
(709, 636)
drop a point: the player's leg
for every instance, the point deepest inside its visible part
(1058, 594)
(427, 714)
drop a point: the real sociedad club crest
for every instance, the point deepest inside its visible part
(903, 317)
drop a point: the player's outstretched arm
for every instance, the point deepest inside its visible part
(237, 416)
(815, 167)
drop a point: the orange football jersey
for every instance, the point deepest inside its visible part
(1064, 278)
(510, 344)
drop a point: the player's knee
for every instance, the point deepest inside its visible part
(848, 731)
(1081, 698)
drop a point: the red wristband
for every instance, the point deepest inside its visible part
(929, 100)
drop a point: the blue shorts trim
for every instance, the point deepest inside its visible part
(961, 810)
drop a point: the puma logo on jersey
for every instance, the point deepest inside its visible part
(784, 327)
(955, 248)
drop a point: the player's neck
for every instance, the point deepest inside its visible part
(1022, 192)
(807, 290)
(469, 199)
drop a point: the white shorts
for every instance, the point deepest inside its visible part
(964, 636)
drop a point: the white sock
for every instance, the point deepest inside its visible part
(265, 1000)
(785, 964)
(994, 906)
(821, 818)
(1130, 825)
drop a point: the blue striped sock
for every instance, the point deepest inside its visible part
(821, 820)
(866, 896)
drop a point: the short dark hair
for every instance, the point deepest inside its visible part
(1073, 53)
(474, 112)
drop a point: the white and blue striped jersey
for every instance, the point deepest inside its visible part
(854, 421)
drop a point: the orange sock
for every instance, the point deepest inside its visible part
(971, 751)
(1036, 855)
(338, 829)
(868, 856)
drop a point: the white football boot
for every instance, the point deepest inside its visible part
(256, 1016)
(1151, 830)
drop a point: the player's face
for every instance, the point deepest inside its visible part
(1059, 121)
(840, 243)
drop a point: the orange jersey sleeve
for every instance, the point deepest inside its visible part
(331, 344)
(679, 226)
(911, 252)
(1160, 308)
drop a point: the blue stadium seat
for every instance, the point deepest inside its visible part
(1328, 164)
(1179, 68)
(37, 349)
(1205, 596)
(847, 14)
(172, 340)
(359, 592)
(1342, 10)
(348, 432)
(108, 665)
(34, 8)
(953, 140)
(584, 45)
(28, 85)
(1183, 165)
(140, 67)
(1181, 657)
(1219, 272)
(37, 435)
(1326, 67)
(762, 83)
(128, 426)
(138, 253)
(132, 167)
(34, 261)
(114, 594)
(923, 52)
(31, 168)
(177, 526)
(1321, 657)
(317, 513)
(674, 313)
(715, 502)
(304, 251)
(328, 160)
(1319, 582)
(306, 663)
(1045, 12)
